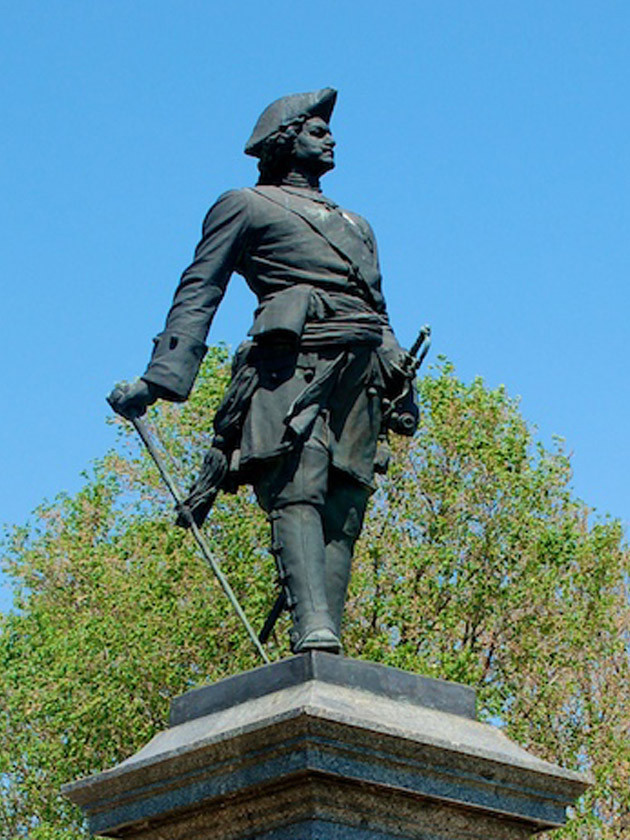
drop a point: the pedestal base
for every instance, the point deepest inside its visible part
(322, 747)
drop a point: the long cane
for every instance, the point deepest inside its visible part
(175, 492)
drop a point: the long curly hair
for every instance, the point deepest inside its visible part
(276, 152)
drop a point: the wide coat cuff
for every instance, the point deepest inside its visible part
(174, 364)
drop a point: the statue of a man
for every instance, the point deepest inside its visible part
(302, 416)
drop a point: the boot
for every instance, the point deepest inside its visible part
(343, 516)
(338, 564)
(298, 546)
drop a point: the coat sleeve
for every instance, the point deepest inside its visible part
(179, 350)
(393, 357)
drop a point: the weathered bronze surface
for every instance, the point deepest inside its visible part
(318, 380)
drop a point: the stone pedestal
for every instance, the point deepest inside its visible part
(319, 747)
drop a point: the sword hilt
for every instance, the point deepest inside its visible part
(424, 338)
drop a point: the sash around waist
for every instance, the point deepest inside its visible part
(318, 317)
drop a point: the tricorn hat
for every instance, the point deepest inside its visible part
(318, 103)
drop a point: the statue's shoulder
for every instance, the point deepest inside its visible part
(360, 221)
(263, 199)
(264, 193)
(355, 217)
(234, 198)
(231, 208)
(268, 201)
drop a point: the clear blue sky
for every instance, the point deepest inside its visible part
(486, 142)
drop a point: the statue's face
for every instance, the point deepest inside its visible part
(313, 147)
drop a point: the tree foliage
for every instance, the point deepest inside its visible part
(476, 564)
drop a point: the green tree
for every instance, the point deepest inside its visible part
(498, 580)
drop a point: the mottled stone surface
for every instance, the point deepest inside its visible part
(305, 752)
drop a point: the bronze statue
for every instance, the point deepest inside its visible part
(318, 380)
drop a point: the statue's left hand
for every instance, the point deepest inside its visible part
(131, 399)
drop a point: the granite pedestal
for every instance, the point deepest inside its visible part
(319, 747)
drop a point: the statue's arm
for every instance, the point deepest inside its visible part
(400, 384)
(396, 364)
(179, 349)
(394, 358)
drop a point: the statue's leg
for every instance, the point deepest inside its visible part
(343, 516)
(299, 550)
(293, 492)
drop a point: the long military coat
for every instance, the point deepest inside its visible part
(321, 345)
